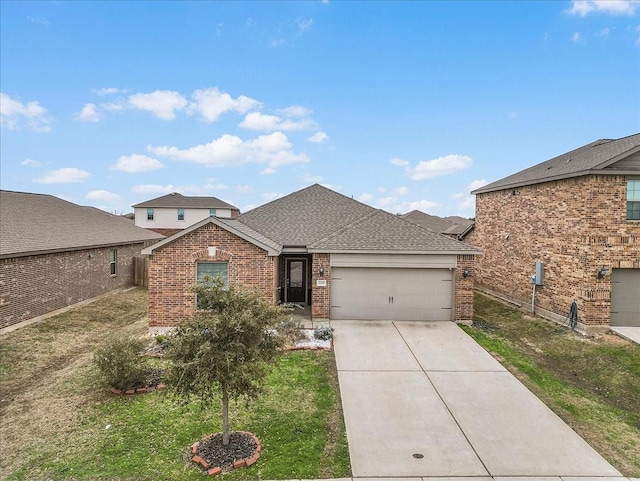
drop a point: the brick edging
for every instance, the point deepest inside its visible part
(212, 471)
(140, 390)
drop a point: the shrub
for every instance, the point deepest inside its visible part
(323, 333)
(121, 362)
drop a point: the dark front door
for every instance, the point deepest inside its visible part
(296, 280)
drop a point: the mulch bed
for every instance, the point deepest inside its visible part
(243, 450)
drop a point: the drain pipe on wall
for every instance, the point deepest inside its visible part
(533, 295)
(537, 279)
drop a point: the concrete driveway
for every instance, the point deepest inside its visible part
(422, 399)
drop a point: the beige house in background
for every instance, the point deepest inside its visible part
(173, 212)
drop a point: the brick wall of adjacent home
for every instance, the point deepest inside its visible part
(574, 226)
(172, 271)
(464, 288)
(32, 286)
(321, 296)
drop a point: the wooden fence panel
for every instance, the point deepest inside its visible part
(141, 271)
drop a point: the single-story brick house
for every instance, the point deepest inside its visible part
(54, 253)
(454, 226)
(578, 216)
(317, 247)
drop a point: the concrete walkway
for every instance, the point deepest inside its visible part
(423, 400)
(630, 333)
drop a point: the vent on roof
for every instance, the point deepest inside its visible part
(549, 167)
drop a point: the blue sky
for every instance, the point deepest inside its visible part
(403, 105)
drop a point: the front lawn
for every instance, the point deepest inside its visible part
(57, 424)
(592, 383)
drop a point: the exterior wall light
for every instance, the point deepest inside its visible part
(465, 273)
(321, 271)
(601, 273)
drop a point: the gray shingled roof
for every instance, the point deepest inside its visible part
(322, 220)
(305, 216)
(591, 158)
(382, 231)
(232, 225)
(39, 223)
(178, 200)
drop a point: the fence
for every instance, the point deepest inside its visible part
(141, 271)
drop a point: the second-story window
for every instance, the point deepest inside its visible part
(180, 214)
(633, 199)
(150, 213)
(212, 212)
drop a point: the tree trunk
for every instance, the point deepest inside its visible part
(225, 416)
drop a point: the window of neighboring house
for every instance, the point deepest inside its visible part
(113, 261)
(149, 214)
(633, 199)
(212, 212)
(180, 214)
(212, 269)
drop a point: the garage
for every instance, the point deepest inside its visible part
(392, 287)
(625, 300)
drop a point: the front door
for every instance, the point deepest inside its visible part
(296, 280)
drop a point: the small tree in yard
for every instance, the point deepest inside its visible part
(226, 345)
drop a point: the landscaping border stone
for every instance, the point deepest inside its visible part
(215, 470)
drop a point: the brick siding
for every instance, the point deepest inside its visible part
(321, 296)
(574, 226)
(464, 288)
(32, 286)
(172, 271)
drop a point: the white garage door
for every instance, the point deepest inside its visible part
(625, 297)
(391, 293)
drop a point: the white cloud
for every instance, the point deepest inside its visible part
(603, 33)
(318, 138)
(404, 207)
(303, 24)
(39, 21)
(136, 163)
(365, 198)
(468, 204)
(116, 106)
(274, 150)
(260, 121)
(163, 103)
(89, 113)
(168, 188)
(13, 112)
(613, 7)
(312, 179)
(295, 111)
(211, 103)
(446, 165)
(269, 196)
(399, 162)
(109, 91)
(401, 191)
(31, 163)
(67, 175)
(576, 37)
(103, 196)
(243, 189)
(476, 184)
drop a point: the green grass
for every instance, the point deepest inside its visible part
(57, 425)
(593, 383)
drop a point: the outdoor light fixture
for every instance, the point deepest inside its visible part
(321, 271)
(601, 273)
(465, 273)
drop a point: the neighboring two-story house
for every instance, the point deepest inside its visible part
(573, 220)
(454, 226)
(173, 212)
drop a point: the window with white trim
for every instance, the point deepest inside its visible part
(180, 214)
(113, 261)
(633, 199)
(213, 212)
(150, 213)
(206, 270)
